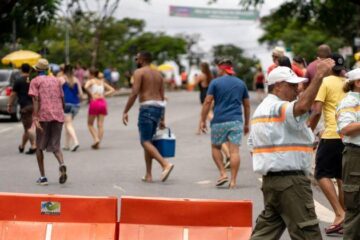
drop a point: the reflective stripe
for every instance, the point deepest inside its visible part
(283, 148)
(272, 118)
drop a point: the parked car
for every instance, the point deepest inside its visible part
(7, 79)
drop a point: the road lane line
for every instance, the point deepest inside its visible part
(119, 188)
(6, 129)
(203, 182)
(323, 213)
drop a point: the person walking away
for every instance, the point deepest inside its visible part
(300, 63)
(98, 89)
(48, 117)
(115, 77)
(281, 145)
(20, 91)
(203, 80)
(72, 95)
(328, 160)
(323, 52)
(79, 73)
(229, 94)
(259, 83)
(348, 123)
(149, 85)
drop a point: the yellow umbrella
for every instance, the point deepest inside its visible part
(17, 58)
(165, 67)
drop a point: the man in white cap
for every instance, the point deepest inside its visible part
(48, 117)
(348, 123)
(282, 148)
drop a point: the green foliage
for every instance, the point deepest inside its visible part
(304, 25)
(243, 66)
(30, 17)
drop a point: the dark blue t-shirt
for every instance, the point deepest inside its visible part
(229, 93)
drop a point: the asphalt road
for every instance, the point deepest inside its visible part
(117, 167)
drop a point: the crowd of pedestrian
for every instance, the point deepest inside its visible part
(281, 130)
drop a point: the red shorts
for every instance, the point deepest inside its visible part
(98, 107)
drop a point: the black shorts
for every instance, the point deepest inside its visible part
(259, 86)
(49, 137)
(329, 159)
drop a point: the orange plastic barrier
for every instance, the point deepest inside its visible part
(184, 219)
(55, 217)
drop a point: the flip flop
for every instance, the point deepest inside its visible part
(63, 175)
(334, 228)
(221, 181)
(165, 174)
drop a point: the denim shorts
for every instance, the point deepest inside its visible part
(227, 131)
(149, 119)
(72, 109)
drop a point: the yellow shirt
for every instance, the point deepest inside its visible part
(330, 94)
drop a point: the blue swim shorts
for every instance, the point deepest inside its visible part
(149, 119)
(227, 131)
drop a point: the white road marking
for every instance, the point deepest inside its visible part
(6, 129)
(119, 188)
(323, 213)
(204, 182)
(48, 231)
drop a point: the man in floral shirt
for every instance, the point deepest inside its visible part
(48, 118)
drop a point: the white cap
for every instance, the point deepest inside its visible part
(353, 75)
(283, 74)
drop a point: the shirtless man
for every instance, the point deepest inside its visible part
(149, 84)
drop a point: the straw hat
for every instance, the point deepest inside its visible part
(42, 65)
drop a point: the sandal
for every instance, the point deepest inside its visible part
(221, 181)
(334, 228)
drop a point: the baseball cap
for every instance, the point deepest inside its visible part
(226, 65)
(339, 62)
(353, 75)
(283, 74)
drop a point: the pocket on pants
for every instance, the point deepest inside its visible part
(351, 196)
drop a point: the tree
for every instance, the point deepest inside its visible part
(23, 18)
(303, 25)
(96, 20)
(243, 66)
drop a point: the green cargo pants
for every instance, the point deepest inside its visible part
(351, 187)
(288, 204)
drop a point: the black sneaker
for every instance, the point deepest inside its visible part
(42, 181)
(63, 176)
(31, 151)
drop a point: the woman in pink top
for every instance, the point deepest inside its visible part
(98, 89)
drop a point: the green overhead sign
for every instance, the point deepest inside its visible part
(213, 13)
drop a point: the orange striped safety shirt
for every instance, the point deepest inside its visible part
(278, 140)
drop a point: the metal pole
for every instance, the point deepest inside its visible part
(67, 49)
(14, 34)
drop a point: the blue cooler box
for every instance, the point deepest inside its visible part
(165, 142)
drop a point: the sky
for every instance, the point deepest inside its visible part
(242, 33)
